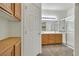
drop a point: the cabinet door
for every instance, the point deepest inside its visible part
(58, 38)
(45, 39)
(8, 52)
(51, 39)
(18, 11)
(18, 49)
(7, 7)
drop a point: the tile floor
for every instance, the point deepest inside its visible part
(56, 50)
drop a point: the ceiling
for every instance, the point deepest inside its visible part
(56, 6)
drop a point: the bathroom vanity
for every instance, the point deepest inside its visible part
(51, 38)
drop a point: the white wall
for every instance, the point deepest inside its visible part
(9, 28)
(14, 29)
(77, 29)
(70, 12)
(59, 14)
(3, 29)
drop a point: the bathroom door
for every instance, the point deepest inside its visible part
(32, 29)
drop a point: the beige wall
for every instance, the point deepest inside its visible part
(9, 28)
(3, 28)
(14, 29)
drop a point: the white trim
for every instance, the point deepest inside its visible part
(70, 47)
(22, 43)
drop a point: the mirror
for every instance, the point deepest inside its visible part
(53, 26)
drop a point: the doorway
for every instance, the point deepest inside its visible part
(57, 27)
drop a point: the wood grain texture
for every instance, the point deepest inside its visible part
(8, 52)
(18, 49)
(58, 38)
(13, 9)
(45, 39)
(18, 11)
(8, 7)
(51, 38)
(7, 44)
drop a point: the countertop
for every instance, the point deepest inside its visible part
(7, 43)
(50, 32)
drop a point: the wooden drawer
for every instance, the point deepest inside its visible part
(58, 38)
(45, 39)
(58, 41)
(51, 39)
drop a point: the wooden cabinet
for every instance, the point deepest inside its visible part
(14, 9)
(8, 52)
(10, 47)
(7, 7)
(45, 38)
(18, 49)
(18, 10)
(58, 38)
(51, 38)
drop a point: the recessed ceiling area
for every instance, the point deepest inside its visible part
(56, 6)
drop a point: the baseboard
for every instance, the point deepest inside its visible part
(69, 46)
(53, 44)
(38, 54)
